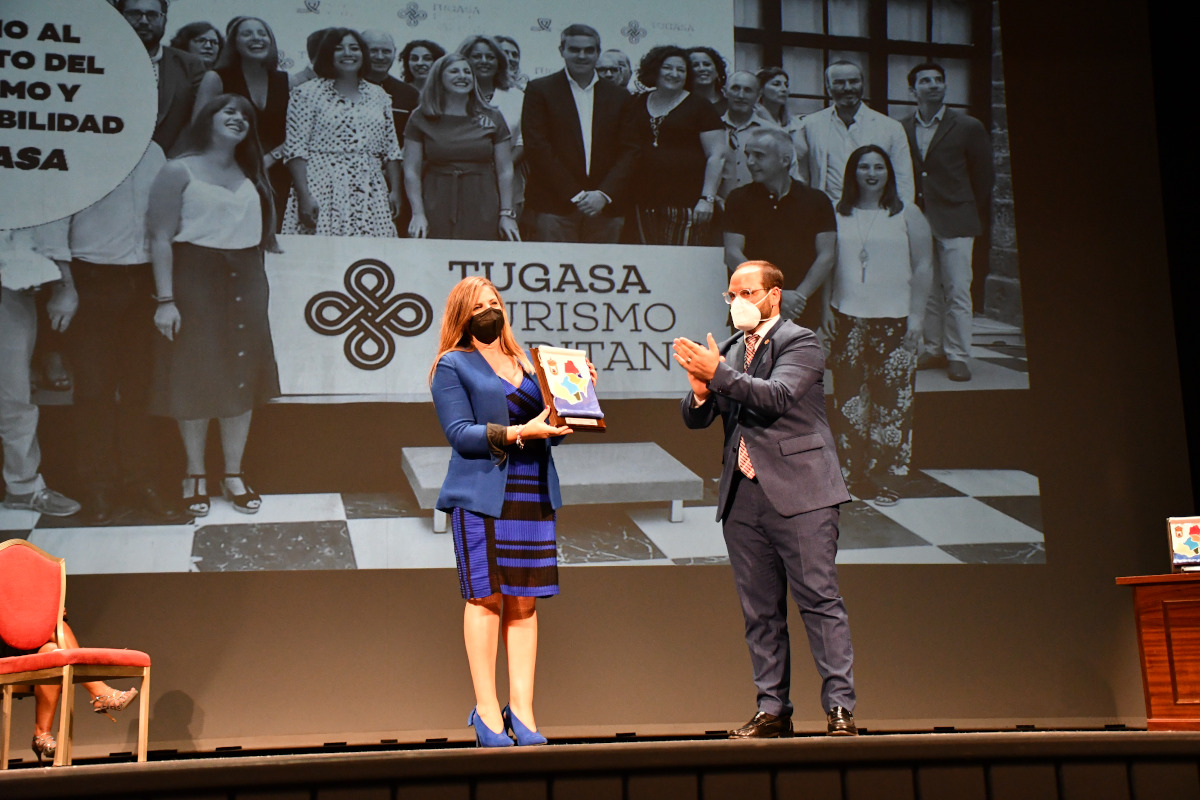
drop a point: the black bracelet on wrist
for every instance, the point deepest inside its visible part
(162, 301)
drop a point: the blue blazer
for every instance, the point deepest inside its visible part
(468, 395)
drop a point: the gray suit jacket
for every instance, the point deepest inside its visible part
(179, 75)
(954, 179)
(778, 406)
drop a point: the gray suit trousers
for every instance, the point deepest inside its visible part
(770, 553)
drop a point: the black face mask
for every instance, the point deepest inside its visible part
(487, 325)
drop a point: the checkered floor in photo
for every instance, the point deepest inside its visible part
(997, 361)
(943, 517)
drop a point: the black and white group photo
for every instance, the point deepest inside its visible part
(322, 175)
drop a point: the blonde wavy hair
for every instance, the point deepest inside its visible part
(456, 321)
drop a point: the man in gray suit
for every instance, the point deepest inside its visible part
(177, 73)
(952, 166)
(779, 494)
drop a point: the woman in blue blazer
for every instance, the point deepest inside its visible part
(501, 492)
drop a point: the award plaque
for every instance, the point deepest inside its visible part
(567, 388)
(1183, 533)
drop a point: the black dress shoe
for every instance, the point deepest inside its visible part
(159, 511)
(931, 361)
(764, 726)
(841, 722)
(958, 371)
(97, 507)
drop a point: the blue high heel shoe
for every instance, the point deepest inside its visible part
(485, 736)
(524, 735)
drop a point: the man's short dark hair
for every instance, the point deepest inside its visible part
(579, 29)
(161, 3)
(323, 65)
(928, 66)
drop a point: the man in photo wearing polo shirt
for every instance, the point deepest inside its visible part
(741, 95)
(782, 221)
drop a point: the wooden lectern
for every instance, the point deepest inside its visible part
(1168, 629)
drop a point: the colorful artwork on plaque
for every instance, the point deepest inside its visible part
(1185, 539)
(570, 382)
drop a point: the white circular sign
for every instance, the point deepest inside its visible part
(78, 105)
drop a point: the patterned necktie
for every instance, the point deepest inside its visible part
(744, 457)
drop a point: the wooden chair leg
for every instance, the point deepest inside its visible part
(66, 703)
(6, 721)
(144, 716)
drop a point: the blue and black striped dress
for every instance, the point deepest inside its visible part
(516, 553)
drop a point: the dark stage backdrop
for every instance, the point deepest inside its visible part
(309, 657)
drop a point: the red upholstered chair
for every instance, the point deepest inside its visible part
(33, 585)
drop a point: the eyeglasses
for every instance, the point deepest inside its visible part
(200, 41)
(608, 70)
(745, 294)
(149, 16)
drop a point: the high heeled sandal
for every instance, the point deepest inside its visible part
(197, 502)
(113, 701)
(44, 745)
(485, 736)
(525, 737)
(248, 502)
(886, 497)
(55, 376)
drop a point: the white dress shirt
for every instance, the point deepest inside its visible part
(113, 229)
(925, 131)
(585, 102)
(825, 144)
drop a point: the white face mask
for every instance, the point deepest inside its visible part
(745, 315)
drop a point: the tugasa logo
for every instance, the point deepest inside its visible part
(412, 14)
(370, 313)
(634, 32)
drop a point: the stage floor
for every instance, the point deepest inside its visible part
(1023, 765)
